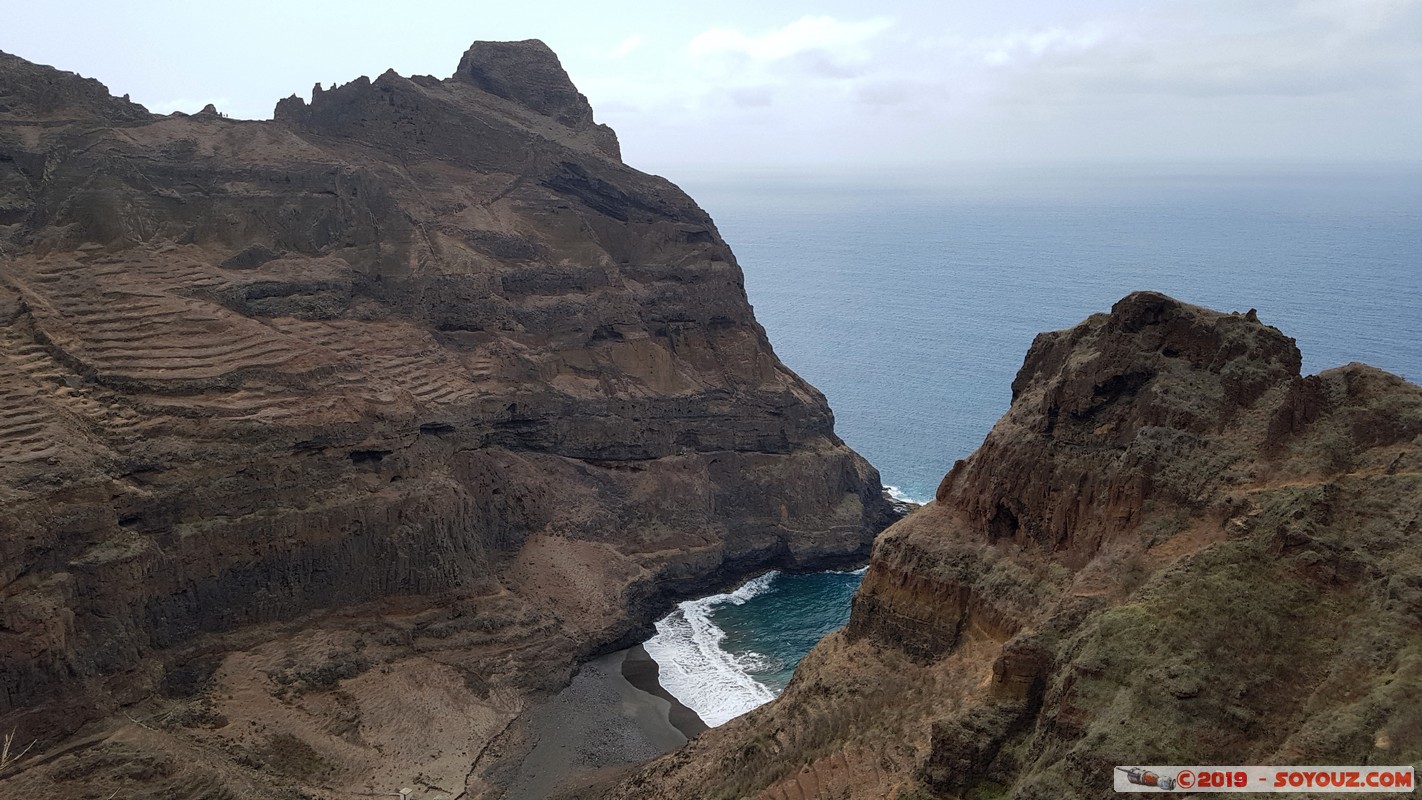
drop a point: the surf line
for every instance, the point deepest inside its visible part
(717, 685)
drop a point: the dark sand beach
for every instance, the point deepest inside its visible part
(613, 714)
(641, 670)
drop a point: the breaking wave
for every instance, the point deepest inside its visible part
(898, 494)
(717, 685)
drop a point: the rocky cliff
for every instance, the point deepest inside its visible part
(1172, 549)
(327, 442)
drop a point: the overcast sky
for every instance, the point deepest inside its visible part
(784, 82)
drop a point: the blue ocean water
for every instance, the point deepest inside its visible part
(911, 299)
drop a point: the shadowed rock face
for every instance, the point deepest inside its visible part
(1172, 549)
(417, 376)
(527, 72)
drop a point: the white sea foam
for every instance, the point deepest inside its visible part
(696, 670)
(898, 494)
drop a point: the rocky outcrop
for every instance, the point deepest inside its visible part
(327, 442)
(528, 73)
(1172, 549)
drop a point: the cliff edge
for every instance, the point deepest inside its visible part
(329, 443)
(1172, 549)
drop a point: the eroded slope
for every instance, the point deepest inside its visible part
(1172, 549)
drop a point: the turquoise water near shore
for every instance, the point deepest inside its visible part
(911, 299)
(726, 654)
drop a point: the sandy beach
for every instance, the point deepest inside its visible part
(641, 670)
(614, 714)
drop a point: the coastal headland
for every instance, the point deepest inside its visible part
(330, 445)
(1174, 548)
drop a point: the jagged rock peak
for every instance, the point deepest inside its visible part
(529, 73)
(1149, 338)
(499, 83)
(35, 91)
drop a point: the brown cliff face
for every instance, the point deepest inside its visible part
(327, 442)
(1172, 549)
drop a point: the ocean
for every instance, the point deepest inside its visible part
(910, 299)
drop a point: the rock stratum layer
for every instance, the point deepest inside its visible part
(328, 442)
(1172, 549)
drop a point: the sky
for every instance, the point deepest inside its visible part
(786, 84)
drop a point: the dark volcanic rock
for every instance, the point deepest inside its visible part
(526, 72)
(418, 374)
(36, 93)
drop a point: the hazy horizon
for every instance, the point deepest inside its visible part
(803, 85)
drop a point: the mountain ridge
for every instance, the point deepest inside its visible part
(407, 400)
